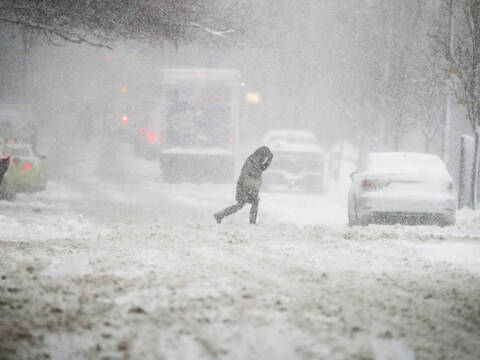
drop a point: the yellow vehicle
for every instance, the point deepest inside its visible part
(27, 172)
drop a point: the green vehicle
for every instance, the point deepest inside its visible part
(27, 172)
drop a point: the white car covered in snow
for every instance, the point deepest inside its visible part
(298, 161)
(409, 188)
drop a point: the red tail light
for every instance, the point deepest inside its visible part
(152, 136)
(27, 166)
(369, 184)
(142, 131)
(234, 141)
(125, 119)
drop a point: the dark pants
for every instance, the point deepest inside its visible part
(240, 204)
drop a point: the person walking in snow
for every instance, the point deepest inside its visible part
(4, 167)
(5, 194)
(249, 183)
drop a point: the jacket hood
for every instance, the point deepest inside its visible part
(262, 151)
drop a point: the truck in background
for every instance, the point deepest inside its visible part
(200, 110)
(148, 140)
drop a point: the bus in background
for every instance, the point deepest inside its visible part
(200, 121)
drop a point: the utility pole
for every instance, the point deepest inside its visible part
(448, 103)
(25, 53)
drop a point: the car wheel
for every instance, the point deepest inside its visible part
(7, 195)
(445, 222)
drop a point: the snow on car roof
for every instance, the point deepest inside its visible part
(211, 151)
(284, 146)
(400, 162)
(292, 141)
(288, 133)
(287, 140)
(17, 146)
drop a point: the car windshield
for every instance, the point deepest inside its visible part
(291, 140)
(199, 113)
(405, 163)
(292, 137)
(296, 162)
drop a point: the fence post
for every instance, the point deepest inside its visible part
(467, 148)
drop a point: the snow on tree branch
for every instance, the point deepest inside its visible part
(102, 23)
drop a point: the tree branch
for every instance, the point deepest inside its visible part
(74, 38)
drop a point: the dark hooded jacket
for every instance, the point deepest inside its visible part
(3, 167)
(250, 180)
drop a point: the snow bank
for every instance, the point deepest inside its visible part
(38, 227)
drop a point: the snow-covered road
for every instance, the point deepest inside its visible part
(140, 270)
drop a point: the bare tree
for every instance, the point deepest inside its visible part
(427, 93)
(383, 66)
(462, 55)
(101, 23)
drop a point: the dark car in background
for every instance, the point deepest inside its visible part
(298, 164)
(27, 171)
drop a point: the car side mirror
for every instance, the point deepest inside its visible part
(352, 174)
